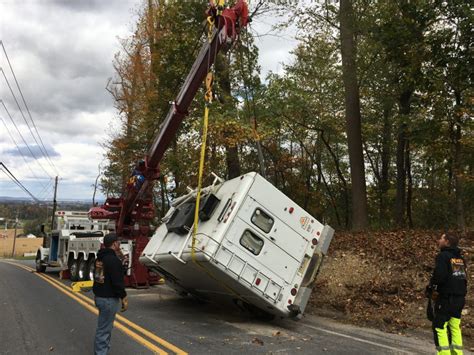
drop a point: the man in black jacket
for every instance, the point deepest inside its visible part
(448, 288)
(109, 291)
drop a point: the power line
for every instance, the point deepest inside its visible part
(23, 139)
(17, 182)
(27, 109)
(18, 148)
(42, 195)
(22, 114)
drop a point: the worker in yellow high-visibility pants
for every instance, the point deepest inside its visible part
(447, 290)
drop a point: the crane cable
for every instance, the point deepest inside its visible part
(208, 96)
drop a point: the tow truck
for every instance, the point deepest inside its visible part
(72, 245)
(254, 245)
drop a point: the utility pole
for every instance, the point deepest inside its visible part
(54, 202)
(54, 211)
(95, 187)
(14, 236)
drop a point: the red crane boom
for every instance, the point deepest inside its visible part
(134, 209)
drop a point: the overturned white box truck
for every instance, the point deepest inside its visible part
(254, 246)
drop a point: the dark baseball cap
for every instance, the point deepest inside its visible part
(109, 239)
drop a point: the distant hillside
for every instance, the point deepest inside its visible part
(27, 210)
(29, 200)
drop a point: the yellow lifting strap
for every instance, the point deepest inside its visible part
(208, 97)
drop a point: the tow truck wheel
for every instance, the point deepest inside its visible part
(73, 270)
(81, 269)
(39, 266)
(91, 268)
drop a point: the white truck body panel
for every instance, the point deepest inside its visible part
(257, 247)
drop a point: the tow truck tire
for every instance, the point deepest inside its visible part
(39, 267)
(74, 270)
(82, 269)
(90, 268)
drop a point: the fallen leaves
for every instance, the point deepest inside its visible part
(378, 279)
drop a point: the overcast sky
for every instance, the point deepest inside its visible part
(61, 52)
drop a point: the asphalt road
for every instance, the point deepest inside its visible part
(40, 315)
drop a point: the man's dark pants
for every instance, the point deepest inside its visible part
(108, 307)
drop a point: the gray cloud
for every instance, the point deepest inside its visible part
(62, 52)
(82, 5)
(32, 151)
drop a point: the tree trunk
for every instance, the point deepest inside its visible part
(353, 124)
(385, 162)
(457, 170)
(177, 174)
(332, 199)
(222, 65)
(232, 160)
(400, 199)
(340, 175)
(163, 196)
(410, 183)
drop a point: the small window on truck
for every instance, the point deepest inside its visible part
(251, 242)
(262, 220)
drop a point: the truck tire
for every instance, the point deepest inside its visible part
(74, 269)
(82, 269)
(91, 268)
(39, 266)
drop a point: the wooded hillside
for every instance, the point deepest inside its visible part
(370, 126)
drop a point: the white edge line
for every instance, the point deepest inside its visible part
(359, 339)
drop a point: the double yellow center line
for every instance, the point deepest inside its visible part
(122, 323)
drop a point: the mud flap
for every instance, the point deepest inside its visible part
(325, 239)
(307, 284)
(301, 300)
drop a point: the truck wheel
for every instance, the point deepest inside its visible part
(74, 270)
(39, 266)
(81, 269)
(90, 268)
